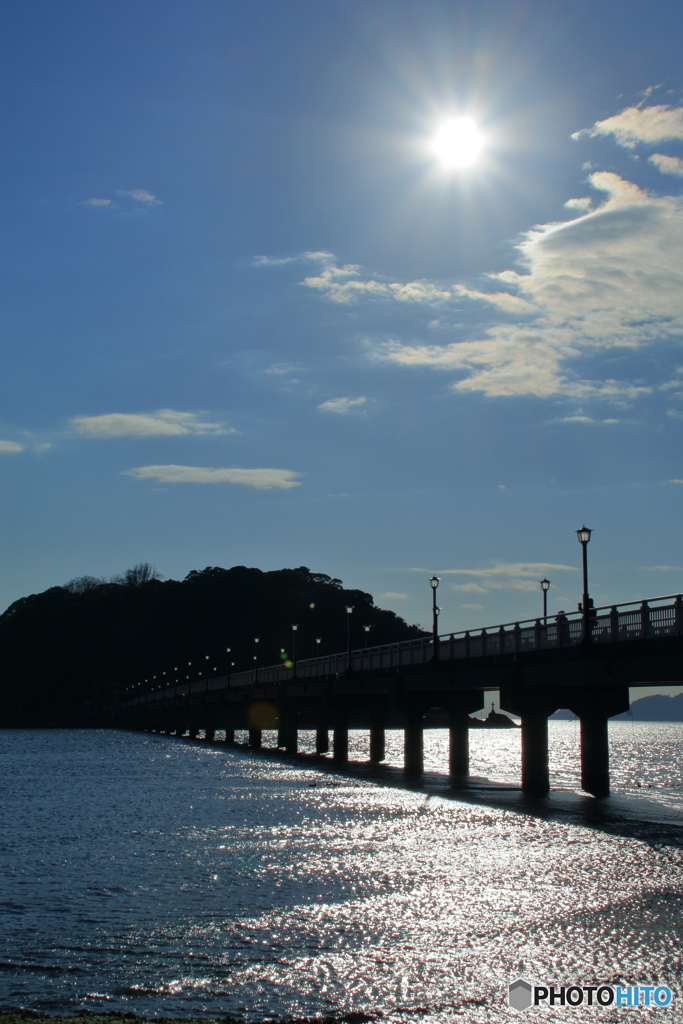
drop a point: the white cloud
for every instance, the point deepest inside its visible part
(647, 125)
(10, 446)
(676, 481)
(140, 195)
(476, 607)
(505, 576)
(612, 278)
(667, 164)
(261, 479)
(343, 405)
(662, 568)
(579, 204)
(163, 423)
(395, 595)
(97, 202)
(276, 261)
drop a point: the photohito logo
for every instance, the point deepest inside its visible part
(522, 995)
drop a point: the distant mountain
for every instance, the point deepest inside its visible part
(657, 708)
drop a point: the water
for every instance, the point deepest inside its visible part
(174, 878)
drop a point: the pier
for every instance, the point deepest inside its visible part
(585, 662)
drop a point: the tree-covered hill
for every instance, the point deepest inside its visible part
(66, 652)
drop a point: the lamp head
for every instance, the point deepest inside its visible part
(349, 609)
(584, 535)
(434, 582)
(545, 584)
(295, 626)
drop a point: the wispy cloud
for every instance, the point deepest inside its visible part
(6, 447)
(504, 576)
(261, 479)
(612, 278)
(396, 595)
(645, 125)
(344, 405)
(140, 195)
(97, 202)
(164, 423)
(662, 568)
(475, 607)
(667, 164)
(277, 261)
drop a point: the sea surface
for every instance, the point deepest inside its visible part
(172, 877)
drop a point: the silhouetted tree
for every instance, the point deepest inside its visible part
(65, 653)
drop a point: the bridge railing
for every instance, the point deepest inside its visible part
(632, 620)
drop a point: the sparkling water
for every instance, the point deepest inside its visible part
(178, 878)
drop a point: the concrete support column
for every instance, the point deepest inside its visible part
(210, 732)
(414, 743)
(194, 732)
(255, 739)
(377, 737)
(459, 744)
(322, 736)
(595, 755)
(229, 734)
(340, 738)
(292, 731)
(535, 772)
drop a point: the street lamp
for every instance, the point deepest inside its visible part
(434, 582)
(295, 627)
(227, 651)
(256, 642)
(584, 535)
(544, 585)
(349, 613)
(318, 641)
(367, 635)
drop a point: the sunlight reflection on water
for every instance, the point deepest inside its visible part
(175, 878)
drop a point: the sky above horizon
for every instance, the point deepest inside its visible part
(254, 314)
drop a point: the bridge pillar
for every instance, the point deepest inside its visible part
(255, 738)
(194, 731)
(459, 744)
(595, 755)
(413, 745)
(535, 769)
(340, 737)
(292, 730)
(229, 733)
(594, 707)
(322, 736)
(533, 705)
(377, 736)
(460, 706)
(209, 733)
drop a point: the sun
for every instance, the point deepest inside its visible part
(458, 142)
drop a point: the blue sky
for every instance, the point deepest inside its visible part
(250, 316)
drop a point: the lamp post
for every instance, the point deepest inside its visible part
(349, 613)
(256, 641)
(295, 627)
(584, 535)
(228, 652)
(367, 635)
(434, 582)
(545, 584)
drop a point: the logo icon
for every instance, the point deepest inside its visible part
(520, 995)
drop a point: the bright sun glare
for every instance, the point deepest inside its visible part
(458, 142)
